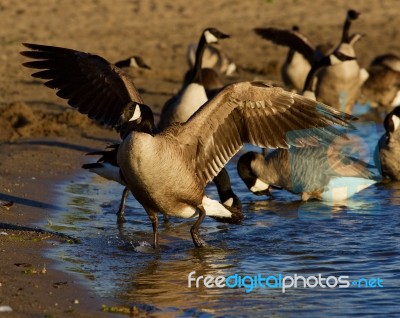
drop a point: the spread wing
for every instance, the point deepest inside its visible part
(90, 83)
(256, 113)
(292, 39)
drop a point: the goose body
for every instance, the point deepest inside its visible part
(339, 84)
(168, 171)
(312, 172)
(294, 71)
(151, 182)
(382, 88)
(389, 146)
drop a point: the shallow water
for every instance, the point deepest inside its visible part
(358, 239)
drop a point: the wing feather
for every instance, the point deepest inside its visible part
(258, 114)
(90, 83)
(290, 38)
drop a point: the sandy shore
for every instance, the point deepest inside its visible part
(44, 142)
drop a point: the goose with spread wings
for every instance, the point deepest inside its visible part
(168, 171)
(339, 76)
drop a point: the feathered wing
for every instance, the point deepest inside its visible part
(256, 113)
(90, 83)
(290, 38)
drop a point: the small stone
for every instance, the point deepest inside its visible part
(76, 301)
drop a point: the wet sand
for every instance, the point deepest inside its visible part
(44, 142)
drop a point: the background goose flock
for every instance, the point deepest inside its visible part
(184, 103)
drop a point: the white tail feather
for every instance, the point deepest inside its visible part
(108, 171)
(214, 208)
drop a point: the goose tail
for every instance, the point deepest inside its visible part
(105, 170)
(221, 212)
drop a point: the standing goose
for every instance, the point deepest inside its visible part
(389, 146)
(192, 94)
(295, 68)
(321, 173)
(382, 88)
(168, 171)
(301, 56)
(338, 84)
(199, 85)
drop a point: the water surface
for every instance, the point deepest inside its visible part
(358, 238)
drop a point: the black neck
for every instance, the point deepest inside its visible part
(144, 124)
(289, 56)
(351, 15)
(346, 28)
(313, 71)
(196, 72)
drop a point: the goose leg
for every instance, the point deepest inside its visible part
(121, 209)
(197, 240)
(166, 219)
(153, 216)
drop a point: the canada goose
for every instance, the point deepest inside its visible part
(382, 88)
(108, 168)
(301, 56)
(195, 91)
(133, 61)
(168, 171)
(337, 85)
(192, 94)
(321, 173)
(213, 58)
(389, 146)
(295, 68)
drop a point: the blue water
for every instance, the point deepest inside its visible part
(358, 239)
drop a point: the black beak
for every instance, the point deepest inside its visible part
(223, 36)
(141, 63)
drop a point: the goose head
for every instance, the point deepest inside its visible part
(245, 172)
(392, 121)
(137, 62)
(213, 35)
(390, 61)
(135, 117)
(350, 17)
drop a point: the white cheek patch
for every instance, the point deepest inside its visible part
(396, 122)
(334, 60)
(228, 202)
(259, 186)
(133, 63)
(210, 38)
(137, 114)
